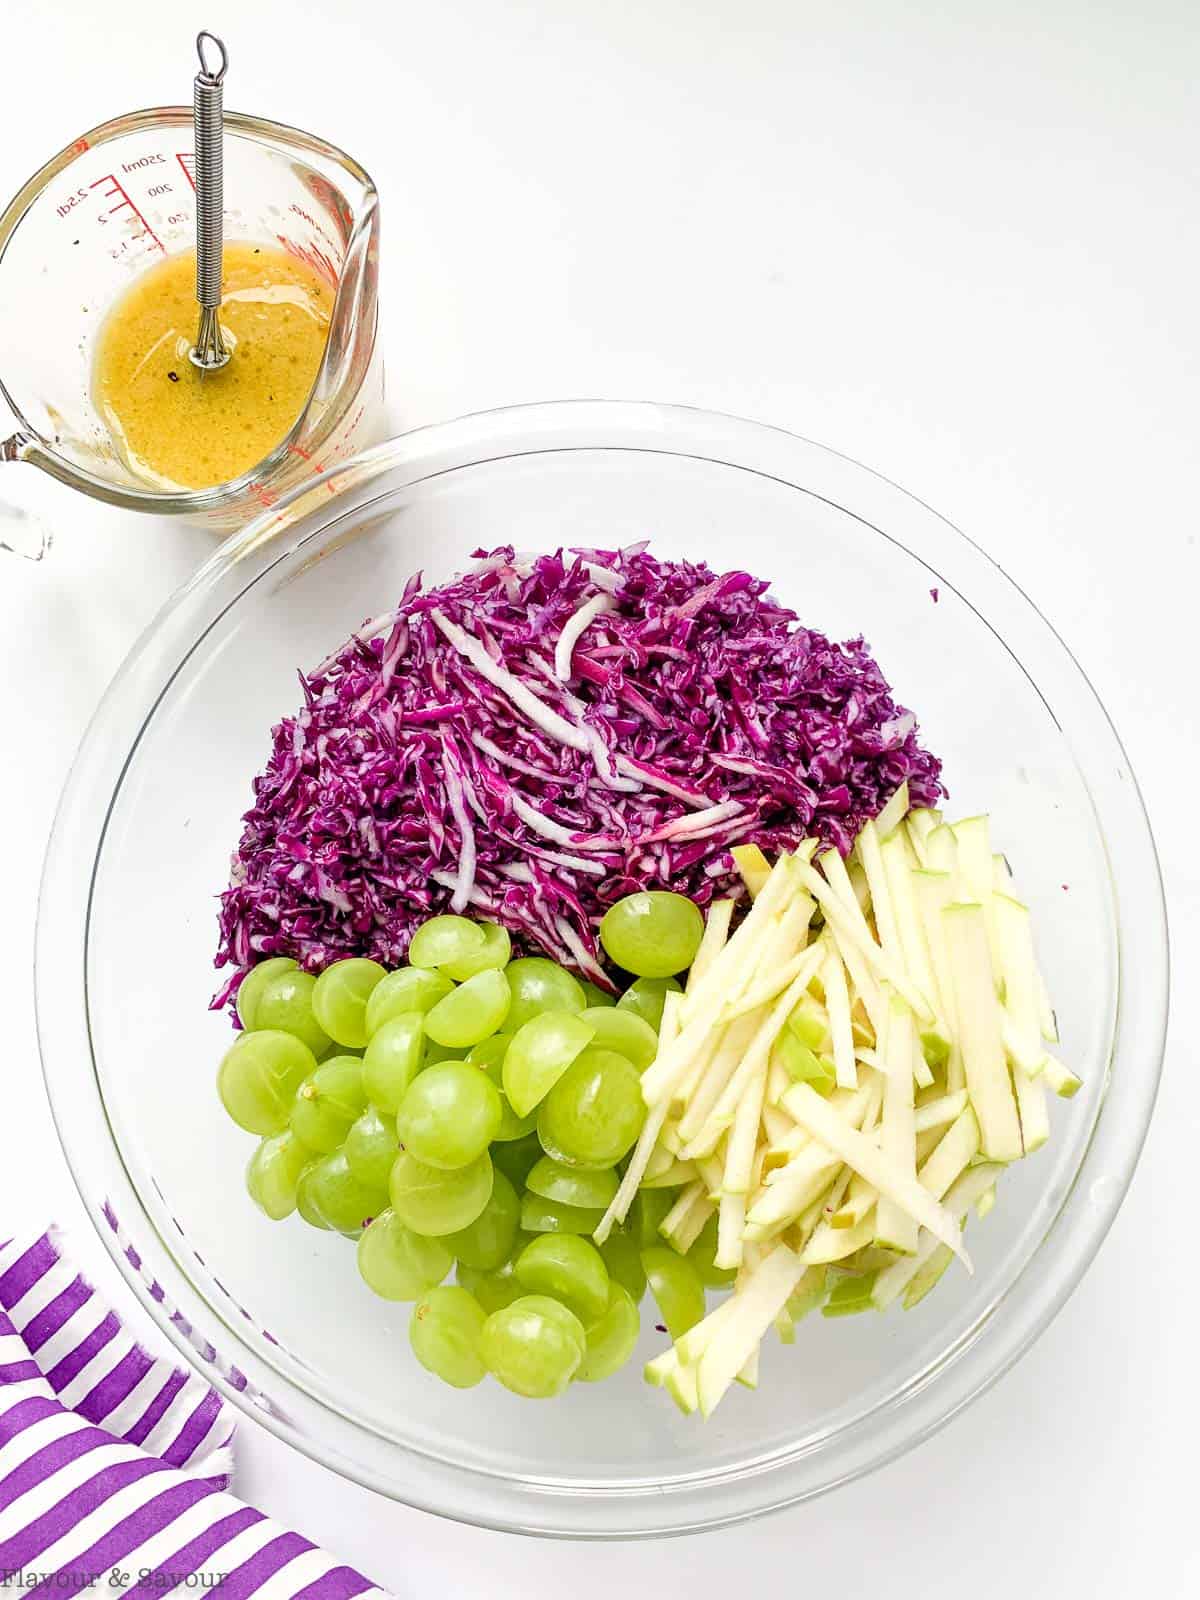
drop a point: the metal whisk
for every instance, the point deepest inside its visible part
(209, 352)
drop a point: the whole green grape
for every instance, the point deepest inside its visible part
(258, 1078)
(327, 1103)
(629, 1034)
(595, 996)
(306, 1205)
(537, 985)
(274, 1172)
(515, 1158)
(574, 1186)
(623, 1258)
(676, 1287)
(445, 940)
(612, 1338)
(340, 997)
(392, 1059)
(490, 1056)
(407, 989)
(654, 934)
(371, 1147)
(595, 1111)
(346, 1204)
(551, 1216)
(449, 1115)
(533, 1346)
(434, 1201)
(474, 1011)
(256, 980)
(646, 997)
(398, 1264)
(541, 1051)
(567, 1268)
(285, 1003)
(486, 1243)
(649, 1210)
(445, 1333)
(491, 1289)
(497, 947)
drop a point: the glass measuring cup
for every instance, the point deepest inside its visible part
(114, 202)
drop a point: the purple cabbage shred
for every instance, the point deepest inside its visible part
(439, 763)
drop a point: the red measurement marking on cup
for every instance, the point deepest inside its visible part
(187, 161)
(118, 192)
(315, 467)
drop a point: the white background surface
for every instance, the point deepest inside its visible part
(960, 242)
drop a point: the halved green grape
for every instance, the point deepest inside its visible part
(306, 1204)
(497, 947)
(623, 1258)
(449, 1115)
(445, 1334)
(551, 1216)
(407, 989)
(573, 1186)
(487, 1242)
(701, 1257)
(340, 999)
(256, 980)
(327, 1103)
(398, 1264)
(649, 1209)
(393, 1058)
(566, 1268)
(274, 1172)
(490, 1056)
(492, 1289)
(372, 1145)
(645, 997)
(517, 1157)
(541, 1051)
(259, 1076)
(473, 1012)
(539, 985)
(489, 1053)
(285, 1003)
(346, 1203)
(611, 1339)
(435, 1202)
(629, 1034)
(533, 1346)
(445, 939)
(676, 1287)
(435, 1052)
(595, 1111)
(595, 996)
(653, 934)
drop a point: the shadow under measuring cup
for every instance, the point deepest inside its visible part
(117, 201)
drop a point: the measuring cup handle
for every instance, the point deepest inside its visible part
(22, 533)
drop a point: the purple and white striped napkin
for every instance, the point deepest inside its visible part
(114, 1467)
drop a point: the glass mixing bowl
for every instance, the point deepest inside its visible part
(275, 1314)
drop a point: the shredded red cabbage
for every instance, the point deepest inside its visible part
(441, 762)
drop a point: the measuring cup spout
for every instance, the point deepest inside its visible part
(21, 532)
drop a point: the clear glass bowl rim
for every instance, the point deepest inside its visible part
(1008, 1327)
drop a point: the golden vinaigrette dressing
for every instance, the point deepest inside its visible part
(178, 427)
